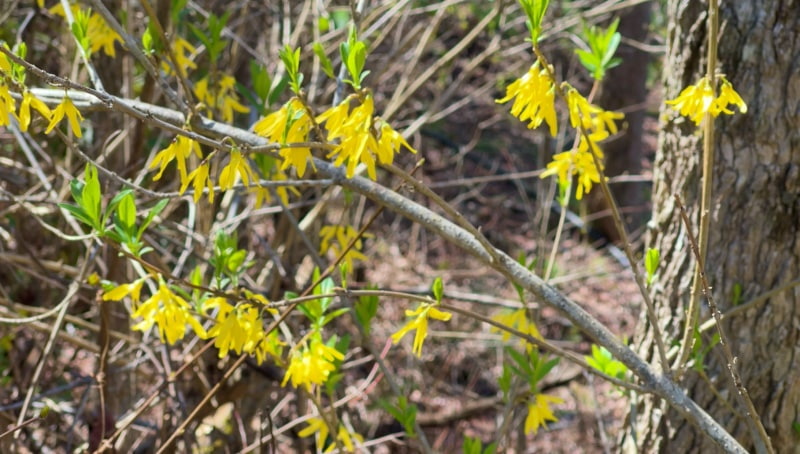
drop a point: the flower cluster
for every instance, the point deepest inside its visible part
(697, 100)
(240, 328)
(170, 312)
(535, 98)
(289, 124)
(100, 35)
(518, 320)
(343, 234)
(318, 425)
(312, 363)
(539, 412)
(420, 323)
(179, 150)
(221, 97)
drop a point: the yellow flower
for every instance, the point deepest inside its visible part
(170, 312)
(591, 118)
(238, 328)
(313, 365)
(289, 124)
(729, 96)
(390, 143)
(420, 323)
(28, 101)
(319, 426)
(223, 97)
(578, 162)
(315, 426)
(237, 166)
(539, 412)
(5, 65)
(183, 51)
(518, 320)
(697, 100)
(100, 35)
(263, 194)
(343, 234)
(179, 150)
(535, 98)
(73, 116)
(119, 292)
(7, 105)
(199, 177)
(353, 130)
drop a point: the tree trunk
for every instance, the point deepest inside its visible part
(755, 234)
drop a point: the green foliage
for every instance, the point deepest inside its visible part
(602, 45)
(291, 60)
(316, 310)
(651, 261)
(228, 260)
(736, 298)
(474, 446)
(531, 367)
(366, 308)
(327, 66)
(604, 361)
(699, 351)
(213, 39)
(80, 28)
(534, 11)
(262, 86)
(403, 412)
(438, 289)
(354, 56)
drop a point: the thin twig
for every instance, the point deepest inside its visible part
(741, 391)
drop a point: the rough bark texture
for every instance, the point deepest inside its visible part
(755, 235)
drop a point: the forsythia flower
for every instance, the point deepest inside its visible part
(319, 426)
(222, 98)
(535, 98)
(199, 177)
(182, 50)
(539, 412)
(7, 105)
(591, 118)
(580, 162)
(170, 312)
(73, 116)
(357, 143)
(420, 323)
(238, 328)
(263, 194)
(313, 365)
(179, 150)
(100, 35)
(289, 124)
(28, 101)
(389, 143)
(518, 320)
(697, 100)
(5, 65)
(133, 289)
(237, 166)
(344, 234)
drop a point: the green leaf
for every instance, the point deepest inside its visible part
(124, 195)
(651, 262)
(329, 317)
(262, 82)
(155, 211)
(78, 213)
(91, 196)
(366, 308)
(736, 299)
(327, 66)
(438, 289)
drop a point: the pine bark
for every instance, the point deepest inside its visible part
(755, 235)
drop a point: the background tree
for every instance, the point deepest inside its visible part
(755, 236)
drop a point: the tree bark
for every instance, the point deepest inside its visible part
(755, 234)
